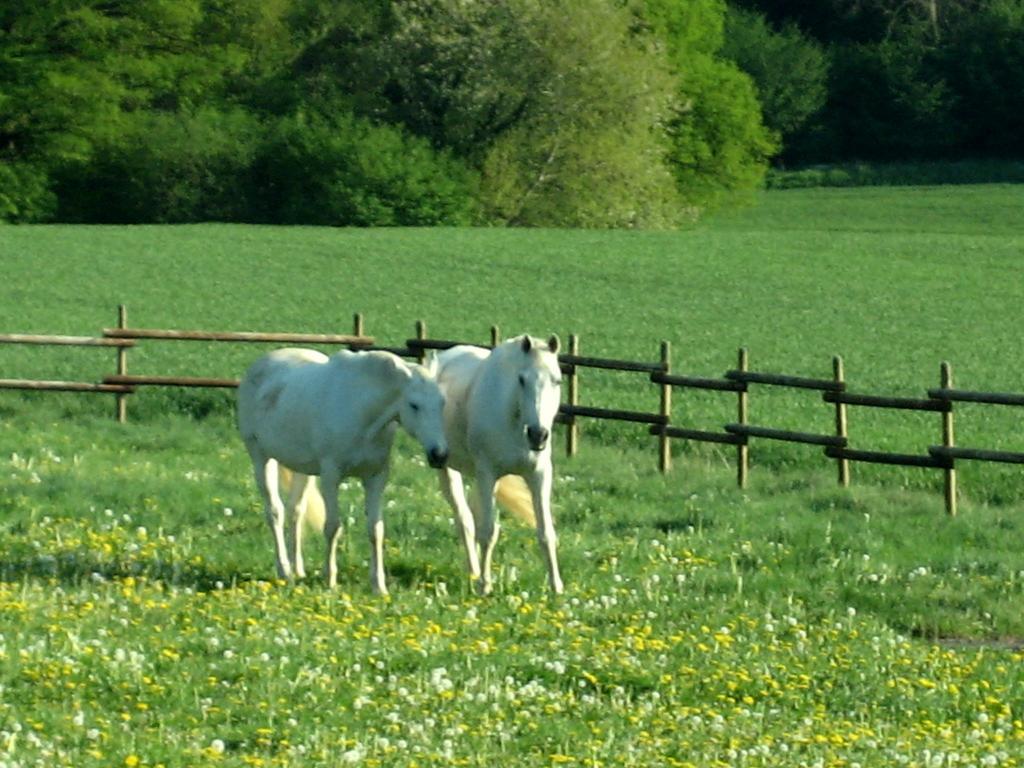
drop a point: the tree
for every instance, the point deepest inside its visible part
(75, 73)
(789, 70)
(558, 104)
(983, 65)
(344, 170)
(719, 145)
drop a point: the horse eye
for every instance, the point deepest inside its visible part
(415, 407)
(522, 380)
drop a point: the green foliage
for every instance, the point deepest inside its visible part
(983, 65)
(559, 105)
(166, 168)
(912, 80)
(686, 27)
(889, 102)
(789, 70)
(566, 111)
(899, 174)
(718, 144)
(346, 171)
(25, 193)
(586, 149)
(720, 147)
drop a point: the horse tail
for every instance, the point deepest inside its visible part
(512, 493)
(311, 498)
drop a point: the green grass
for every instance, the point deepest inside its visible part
(138, 620)
(795, 623)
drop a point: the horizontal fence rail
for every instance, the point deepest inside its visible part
(238, 336)
(63, 341)
(170, 381)
(739, 382)
(64, 386)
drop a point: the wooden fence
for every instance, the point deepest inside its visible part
(658, 372)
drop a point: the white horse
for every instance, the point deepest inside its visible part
(334, 417)
(499, 408)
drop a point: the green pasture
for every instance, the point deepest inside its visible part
(794, 623)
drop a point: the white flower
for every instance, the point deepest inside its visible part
(352, 756)
(217, 746)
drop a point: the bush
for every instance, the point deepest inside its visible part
(164, 168)
(720, 148)
(347, 171)
(899, 174)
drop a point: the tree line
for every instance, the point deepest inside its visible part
(593, 113)
(903, 80)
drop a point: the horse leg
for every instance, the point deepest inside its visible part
(487, 529)
(540, 489)
(373, 488)
(297, 505)
(455, 493)
(330, 478)
(265, 470)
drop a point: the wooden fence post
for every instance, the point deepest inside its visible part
(357, 324)
(841, 425)
(742, 451)
(572, 432)
(121, 412)
(664, 442)
(495, 336)
(946, 382)
(421, 334)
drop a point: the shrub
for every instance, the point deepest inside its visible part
(720, 148)
(347, 171)
(165, 168)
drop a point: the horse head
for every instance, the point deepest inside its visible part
(421, 410)
(539, 381)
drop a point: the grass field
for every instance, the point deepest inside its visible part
(792, 624)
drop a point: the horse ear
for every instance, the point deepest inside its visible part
(527, 343)
(553, 343)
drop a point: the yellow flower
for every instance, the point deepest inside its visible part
(131, 761)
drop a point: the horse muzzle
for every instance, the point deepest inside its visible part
(537, 437)
(437, 457)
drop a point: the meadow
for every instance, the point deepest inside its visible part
(794, 623)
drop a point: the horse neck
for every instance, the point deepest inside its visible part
(387, 398)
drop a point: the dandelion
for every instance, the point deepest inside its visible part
(352, 756)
